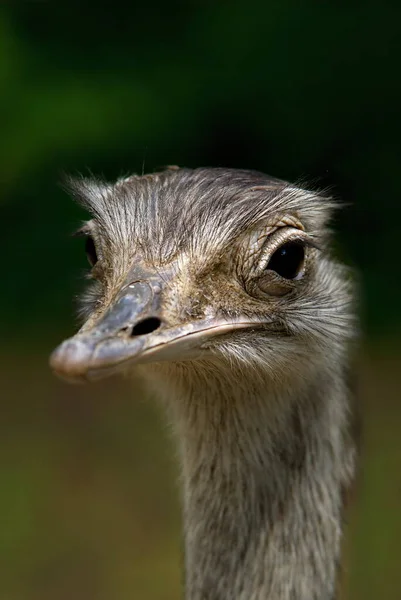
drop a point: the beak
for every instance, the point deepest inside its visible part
(133, 331)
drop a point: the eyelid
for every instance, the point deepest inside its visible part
(275, 240)
(83, 231)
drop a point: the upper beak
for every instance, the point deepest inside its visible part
(133, 329)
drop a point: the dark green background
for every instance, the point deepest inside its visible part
(301, 90)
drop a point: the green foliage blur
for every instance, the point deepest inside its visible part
(303, 91)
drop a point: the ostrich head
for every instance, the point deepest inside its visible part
(218, 285)
(212, 265)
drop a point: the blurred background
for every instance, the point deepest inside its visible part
(89, 500)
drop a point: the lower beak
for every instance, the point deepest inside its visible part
(133, 331)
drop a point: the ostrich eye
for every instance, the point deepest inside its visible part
(90, 251)
(287, 260)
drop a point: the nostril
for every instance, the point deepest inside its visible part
(146, 326)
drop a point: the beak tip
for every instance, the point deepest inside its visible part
(71, 360)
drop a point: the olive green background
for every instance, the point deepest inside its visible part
(309, 91)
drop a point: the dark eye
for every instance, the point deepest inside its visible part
(90, 251)
(288, 260)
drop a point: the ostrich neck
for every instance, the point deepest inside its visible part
(263, 478)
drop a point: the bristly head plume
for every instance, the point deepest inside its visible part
(200, 208)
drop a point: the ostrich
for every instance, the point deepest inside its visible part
(217, 286)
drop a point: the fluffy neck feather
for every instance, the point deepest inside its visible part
(264, 471)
